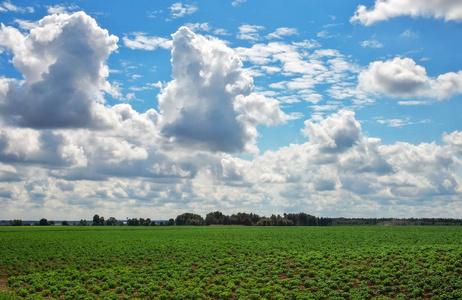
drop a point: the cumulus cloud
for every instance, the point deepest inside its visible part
(249, 32)
(60, 9)
(402, 77)
(383, 10)
(141, 41)
(63, 64)
(209, 103)
(371, 44)
(454, 140)
(337, 132)
(206, 27)
(281, 32)
(25, 25)
(338, 162)
(179, 10)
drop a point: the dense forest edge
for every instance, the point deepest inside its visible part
(243, 219)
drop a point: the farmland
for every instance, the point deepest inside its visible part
(231, 262)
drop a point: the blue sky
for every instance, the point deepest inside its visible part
(154, 108)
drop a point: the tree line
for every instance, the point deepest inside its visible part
(248, 219)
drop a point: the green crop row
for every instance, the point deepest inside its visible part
(231, 262)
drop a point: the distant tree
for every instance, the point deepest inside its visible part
(43, 222)
(51, 223)
(147, 222)
(112, 221)
(17, 222)
(64, 223)
(83, 223)
(215, 218)
(153, 223)
(133, 222)
(171, 222)
(189, 219)
(102, 222)
(264, 222)
(95, 220)
(161, 223)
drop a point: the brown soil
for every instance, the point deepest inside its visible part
(3, 278)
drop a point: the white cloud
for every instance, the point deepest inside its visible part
(206, 27)
(7, 6)
(324, 34)
(209, 105)
(237, 2)
(305, 67)
(249, 32)
(402, 77)
(179, 10)
(383, 10)
(143, 42)
(339, 163)
(371, 44)
(395, 122)
(337, 132)
(199, 26)
(454, 140)
(61, 82)
(409, 34)
(281, 32)
(160, 164)
(60, 9)
(25, 25)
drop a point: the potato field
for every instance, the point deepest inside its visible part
(230, 262)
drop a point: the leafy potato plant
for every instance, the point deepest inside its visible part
(230, 262)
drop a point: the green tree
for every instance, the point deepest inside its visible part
(189, 219)
(133, 222)
(83, 223)
(95, 220)
(43, 222)
(112, 221)
(17, 222)
(64, 223)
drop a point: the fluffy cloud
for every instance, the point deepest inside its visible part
(62, 61)
(454, 140)
(402, 77)
(141, 41)
(209, 105)
(249, 32)
(338, 162)
(383, 10)
(281, 32)
(159, 164)
(337, 132)
(178, 10)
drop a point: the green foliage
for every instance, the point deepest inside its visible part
(231, 262)
(189, 219)
(17, 222)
